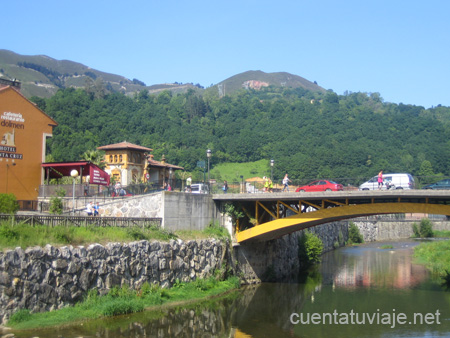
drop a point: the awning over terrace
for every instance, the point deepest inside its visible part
(84, 168)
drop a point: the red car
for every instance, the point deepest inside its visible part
(321, 185)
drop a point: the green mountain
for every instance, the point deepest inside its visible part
(42, 76)
(256, 79)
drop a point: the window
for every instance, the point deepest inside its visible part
(115, 158)
(120, 158)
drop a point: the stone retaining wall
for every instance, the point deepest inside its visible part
(44, 279)
(278, 259)
(382, 230)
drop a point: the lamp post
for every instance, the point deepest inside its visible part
(208, 155)
(74, 175)
(272, 162)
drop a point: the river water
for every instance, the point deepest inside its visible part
(359, 292)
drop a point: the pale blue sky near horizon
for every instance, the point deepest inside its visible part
(398, 49)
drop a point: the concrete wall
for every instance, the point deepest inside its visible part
(182, 211)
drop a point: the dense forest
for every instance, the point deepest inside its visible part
(308, 134)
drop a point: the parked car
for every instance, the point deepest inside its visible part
(199, 188)
(390, 181)
(442, 184)
(321, 185)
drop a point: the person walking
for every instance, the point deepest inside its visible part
(286, 181)
(225, 187)
(266, 184)
(188, 184)
(380, 179)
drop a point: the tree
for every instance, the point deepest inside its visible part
(94, 156)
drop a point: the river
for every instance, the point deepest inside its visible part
(364, 291)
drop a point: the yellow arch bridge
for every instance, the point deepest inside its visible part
(267, 216)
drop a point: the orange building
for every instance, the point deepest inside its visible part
(24, 129)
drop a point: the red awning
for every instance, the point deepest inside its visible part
(84, 168)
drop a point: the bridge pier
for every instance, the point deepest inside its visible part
(277, 259)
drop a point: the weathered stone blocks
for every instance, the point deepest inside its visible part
(43, 279)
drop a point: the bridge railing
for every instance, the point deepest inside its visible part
(256, 185)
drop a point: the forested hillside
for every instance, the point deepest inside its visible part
(308, 134)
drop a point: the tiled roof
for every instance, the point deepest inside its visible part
(154, 163)
(124, 145)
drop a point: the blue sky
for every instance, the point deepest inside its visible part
(400, 49)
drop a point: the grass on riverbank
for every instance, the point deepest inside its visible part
(122, 301)
(23, 235)
(434, 255)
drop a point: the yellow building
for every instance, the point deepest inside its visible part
(129, 163)
(24, 129)
(125, 162)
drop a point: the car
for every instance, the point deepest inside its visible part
(442, 184)
(396, 181)
(321, 185)
(199, 188)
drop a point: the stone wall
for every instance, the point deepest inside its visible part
(392, 230)
(278, 259)
(44, 279)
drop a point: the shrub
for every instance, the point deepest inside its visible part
(56, 206)
(354, 236)
(426, 228)
(415, 229)
(8, 204)
(310, 248)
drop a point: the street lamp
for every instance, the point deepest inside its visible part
(74, 175)
(271, 167)
(208, 155)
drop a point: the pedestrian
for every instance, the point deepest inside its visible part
(286, 181)
(266, 184)
(96, 209)
(188, 184)
(86, 190)
(89, 209)
(225, 187)
(380, 179)
(117, 188)
(270, 185)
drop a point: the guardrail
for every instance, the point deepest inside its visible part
(79, 221)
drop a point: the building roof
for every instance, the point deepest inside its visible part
(4, 89)
(161, 164)
(124, 145)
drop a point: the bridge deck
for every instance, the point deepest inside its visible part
(271, 215)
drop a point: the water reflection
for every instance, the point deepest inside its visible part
(365, 279)
(370, 266)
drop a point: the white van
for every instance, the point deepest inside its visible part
(199, 188)
(390, 181)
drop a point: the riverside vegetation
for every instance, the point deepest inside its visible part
(434, 254)
(118, 300)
